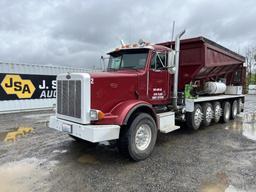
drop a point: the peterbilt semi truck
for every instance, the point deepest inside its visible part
(151, 88)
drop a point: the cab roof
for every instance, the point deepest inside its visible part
(131, 47)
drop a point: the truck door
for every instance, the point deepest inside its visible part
(158, 79)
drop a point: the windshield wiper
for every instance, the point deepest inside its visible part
(111, 69)
(129, 68)
(122, 68)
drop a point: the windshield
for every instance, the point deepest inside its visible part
(128, 60)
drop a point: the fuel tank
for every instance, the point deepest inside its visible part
(213, 88)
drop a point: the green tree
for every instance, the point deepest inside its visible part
(250, 60)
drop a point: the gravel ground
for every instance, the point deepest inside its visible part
(220, 157)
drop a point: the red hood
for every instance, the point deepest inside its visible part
(110, 88)
(121, 73)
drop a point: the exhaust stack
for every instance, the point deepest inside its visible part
(176, 75)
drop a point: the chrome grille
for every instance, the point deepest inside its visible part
(69, 98)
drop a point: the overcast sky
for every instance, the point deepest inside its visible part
(76, 33)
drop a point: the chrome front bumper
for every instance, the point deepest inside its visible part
(92, 133)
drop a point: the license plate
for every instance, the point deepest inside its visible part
(67, 128)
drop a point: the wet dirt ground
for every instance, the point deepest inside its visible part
(221, 157)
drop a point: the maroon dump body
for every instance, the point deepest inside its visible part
(202, 59)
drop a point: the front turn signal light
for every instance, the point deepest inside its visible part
(101, 115)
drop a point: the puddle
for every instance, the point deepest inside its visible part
(231, 188)
(25, 175)
(15, 133)
(3, 134)
(219, 184)
(245, 125)
(87, 159)
(220, 188)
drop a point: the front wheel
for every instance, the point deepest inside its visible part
(138, 139)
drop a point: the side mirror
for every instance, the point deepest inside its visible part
(171, 61)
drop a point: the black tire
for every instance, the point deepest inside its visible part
(190, 118)
(207, 121)
(84, 142)
(234, 109)
(226, 112)
(126, 143)
(216, 112)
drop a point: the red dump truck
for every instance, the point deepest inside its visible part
(151, 88)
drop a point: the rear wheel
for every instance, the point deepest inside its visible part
(226, 112)
(207, 113)
(240, 106)
(234, 109)
(216, 112)
(194, 119)
(138, 139)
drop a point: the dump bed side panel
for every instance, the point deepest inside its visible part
(202, 59)
(192, 58)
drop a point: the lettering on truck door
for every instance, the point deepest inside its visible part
(158, 78)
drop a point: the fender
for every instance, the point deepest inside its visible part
(120, 114)
(141, 106)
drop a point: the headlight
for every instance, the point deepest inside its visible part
(96, 115)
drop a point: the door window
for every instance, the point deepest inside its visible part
(159, 61)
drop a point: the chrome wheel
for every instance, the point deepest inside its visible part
(217, 113)
(143, 137)
(234, 111)
(208, 115)
(198, 117)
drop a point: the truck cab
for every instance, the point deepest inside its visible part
(138, 74)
